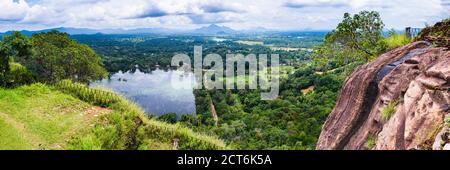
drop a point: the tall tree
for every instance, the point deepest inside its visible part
(357, 37)
(51, 56)
(4, 64)
(19, 45)
(58, 57)
(12, 46)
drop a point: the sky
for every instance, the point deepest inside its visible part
(191, 14)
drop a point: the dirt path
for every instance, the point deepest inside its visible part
(88, 116)
(214, 113)
(38, 143)
(95, 111)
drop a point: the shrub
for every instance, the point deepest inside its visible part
(18, 75)
(388, 110)
(396, 40)
(88, 142)
(188, 139)
(447, 121)
(370, 142)
(94, 96)
(168, 117)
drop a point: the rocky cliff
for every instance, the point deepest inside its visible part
(401, 100)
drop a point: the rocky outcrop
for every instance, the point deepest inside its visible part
(438, 34)
(414, 80)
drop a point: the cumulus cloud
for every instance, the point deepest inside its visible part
(13, 10)
(213, 18)
(281, 14)
(221, 6)
(374, 4)
(317, 3)
(446, 3)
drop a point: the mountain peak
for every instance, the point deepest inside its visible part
(214, 29)
(214, 26)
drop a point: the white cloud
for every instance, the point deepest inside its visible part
(281, 14)
(316, 3)
(13, 11)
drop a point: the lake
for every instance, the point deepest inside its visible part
(216, 39)
(157, 92)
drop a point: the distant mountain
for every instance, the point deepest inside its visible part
(258, 30)
(207, 30)
(77, 31)
(72, 31)
(214, 29)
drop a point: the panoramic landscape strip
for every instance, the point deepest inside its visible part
(225, 83)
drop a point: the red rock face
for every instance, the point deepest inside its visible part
(416, 78)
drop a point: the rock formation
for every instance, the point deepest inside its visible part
(401, 100)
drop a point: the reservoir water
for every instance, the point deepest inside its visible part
(157, 92)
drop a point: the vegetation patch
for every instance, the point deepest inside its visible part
(438, 34)
(370, 142)
(10, 137)
(49, 56)
(38, 117)
(447, 121)
(94, 96)
(18, 75)
(307, 90)
(387, 111)
(395, 40)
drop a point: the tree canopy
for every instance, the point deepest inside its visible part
(50, 56)
(15, 45)
(356, 38)
(4, 64)
(59, 57)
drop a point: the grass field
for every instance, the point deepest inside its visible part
(36, 117)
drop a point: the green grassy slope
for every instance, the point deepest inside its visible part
(73, 116)
(36, 117)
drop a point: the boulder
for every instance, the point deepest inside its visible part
(416, 77)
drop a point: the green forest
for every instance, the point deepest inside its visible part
(294, 120)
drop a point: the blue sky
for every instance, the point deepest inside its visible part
(190, 14)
